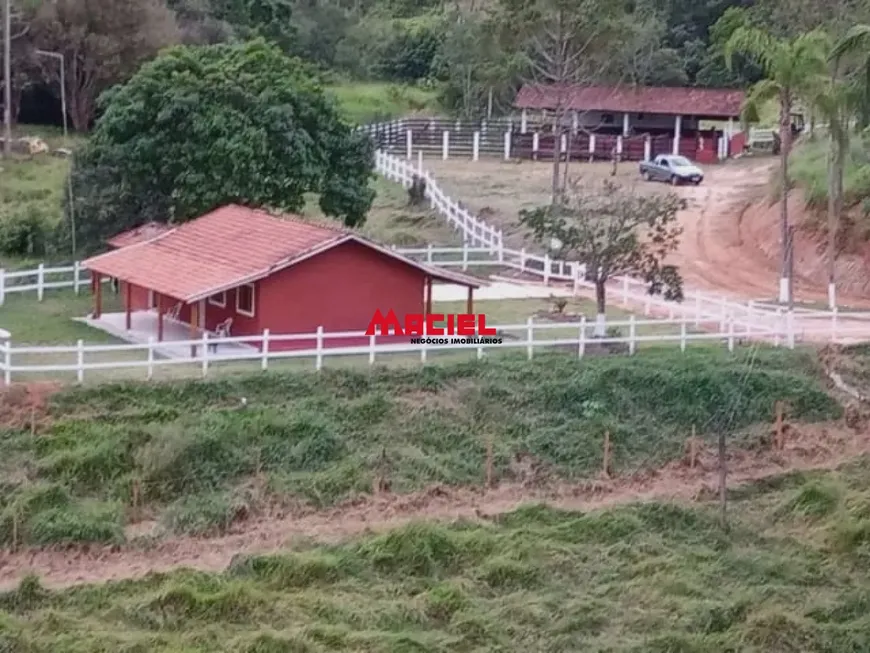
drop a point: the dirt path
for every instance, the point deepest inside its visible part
(809, 447)
(725, 249)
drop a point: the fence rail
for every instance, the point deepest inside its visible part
(265, 349)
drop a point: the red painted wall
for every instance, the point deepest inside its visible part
(737, 143)
(339, 290)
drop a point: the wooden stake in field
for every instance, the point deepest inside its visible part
(32, 420)
(723, 482)
(779, 437)
(606, 467)
(693, 449)
(136, 492)
(489, 461)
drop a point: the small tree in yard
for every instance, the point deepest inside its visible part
(614, 232)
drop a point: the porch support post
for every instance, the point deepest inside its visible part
(159, 318)
(678, 128)
(194, 320)
(469, 308)
(98, 295)
(625, 125)
(428, 295)
(128, 295)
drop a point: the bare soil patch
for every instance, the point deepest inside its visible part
(24, 405)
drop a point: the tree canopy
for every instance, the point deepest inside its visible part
(202, 126)
(613, 231)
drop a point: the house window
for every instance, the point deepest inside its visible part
(220, 299)
(245, 300)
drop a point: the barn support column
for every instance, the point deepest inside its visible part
(524, 122)
(428, 296)
(678, 128)
(98, 295)
(194, 320)
(469, 308)
(729, 136)
(626, 128)
(128, 296)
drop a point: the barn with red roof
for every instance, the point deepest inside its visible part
(239, 271)
(641, 121)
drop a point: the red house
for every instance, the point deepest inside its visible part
(265, 272)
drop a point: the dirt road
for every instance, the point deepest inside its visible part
(815, 447)
(727, 249)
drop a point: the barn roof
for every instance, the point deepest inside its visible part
(709, 102)
(231, 246)
(138, 234)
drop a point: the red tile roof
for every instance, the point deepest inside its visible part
(707, 102)
(230, 246)
(144, 232)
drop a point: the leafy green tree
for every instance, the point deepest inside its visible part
(614, 232)
(202, 126)
(102, 41)
(791, 67)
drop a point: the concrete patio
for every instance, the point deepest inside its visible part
(144, 327)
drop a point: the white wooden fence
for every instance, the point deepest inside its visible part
(24, 362)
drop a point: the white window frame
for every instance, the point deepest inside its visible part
(253, 300)
(213, 300)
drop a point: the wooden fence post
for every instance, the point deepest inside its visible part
(605, 471)
(507, 146)
(264, 350)
(530, 337)
(150, 372)
(40, 281)
(445, 145)
(475, 146)
(80, 361)
(2, 286)
(318, 364)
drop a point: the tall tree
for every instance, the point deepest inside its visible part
(203, 126)
(791, 67)
(564, 43)
(102, 41)
(613, 231)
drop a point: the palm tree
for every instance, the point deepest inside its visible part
(791, 67)
(846, 93)
(835, 101)
(856, 44)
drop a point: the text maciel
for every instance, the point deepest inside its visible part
(466, 324)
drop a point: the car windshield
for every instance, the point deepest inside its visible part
(680, 161)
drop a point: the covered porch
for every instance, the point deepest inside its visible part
(150, 315)
(142, 327)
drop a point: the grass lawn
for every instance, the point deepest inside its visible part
(365, 102)
(315, 437)
(791, 575)
(392, 221)
(809, 168)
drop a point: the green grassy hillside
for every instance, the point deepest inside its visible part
(188, 451)
(791, 575)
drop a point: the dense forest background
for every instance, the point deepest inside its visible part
(469, 54)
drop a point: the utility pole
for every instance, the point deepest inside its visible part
(7, 78)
